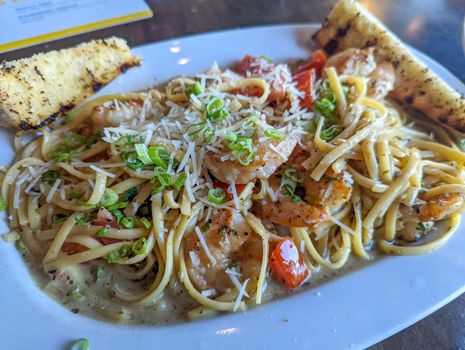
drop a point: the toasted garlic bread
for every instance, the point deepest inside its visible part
(36, 91)
(350, 25)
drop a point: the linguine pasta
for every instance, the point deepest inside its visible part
(194, 187)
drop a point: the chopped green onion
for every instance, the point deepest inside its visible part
(117, 206)
(159, 156)
(179, 183)
(142, 153)
(266, 58)
(295, 198)
(161, 180)
(109, 198)
(146, 222)
(216, 195)
(20, 247)
(60, 153)
(208, 135)
(325, 107)
(131, 160)
(82, 220)
(196, 128)
(118, 215)
(2, 203)
(274, 134)
(249, 125)
(77, 295)
(80, 344)
(103, 232)
(130, 194)
(242, 150)
(241, 143)
(49, 177)
(330, 132)
(113, 256)
(245, 157)
(140, 246)
(229, 136)
(98, 272)
(128, 222)
(215, 109)
(74, 141)
(195, 89)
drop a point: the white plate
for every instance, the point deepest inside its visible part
(352, 311)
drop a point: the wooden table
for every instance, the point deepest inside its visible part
(432, 26)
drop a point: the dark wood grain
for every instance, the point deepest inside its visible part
(432, 26)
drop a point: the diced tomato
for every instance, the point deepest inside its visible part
(251, 91)
(246, 65)
(105, 218)
(305, 81)
(317, 61)
(73, 248)
(107, 241)
(287, 264)
(225, 187)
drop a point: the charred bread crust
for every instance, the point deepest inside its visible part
(38, 90)
(350, 25)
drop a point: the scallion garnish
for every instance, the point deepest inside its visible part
(140, 246)
(142, 153)
(74, 141)
(242, 150)
(98, 272)
(179, 183)
(128, 222)
(83, 219)
(216, 195)
(229, 135)
(80, 344)
(20, 247)
(77, 295)
(161, 180)
(214, 109)
(118, 215)
(132, 161)
(160, 156)
(130, 194)
(274, 134)
(49, 177)
(117, 206)
(109, 198)
(195, 89)
(330, 132)
(196, 128)
(2, 203)
(289, 181)
(208, 135)
(146, 222)
(103, 232)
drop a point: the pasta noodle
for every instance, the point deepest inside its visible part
(188, 198)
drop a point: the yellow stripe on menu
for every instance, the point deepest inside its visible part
(75, 30)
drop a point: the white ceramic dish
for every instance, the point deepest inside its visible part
(352, 311)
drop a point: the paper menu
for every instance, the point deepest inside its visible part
(29, 22)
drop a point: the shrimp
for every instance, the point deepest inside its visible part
(109, 114)
(362, 63)
(416, 222)
(231, 244)
(265, 163)
(318, 199)
(440, 206)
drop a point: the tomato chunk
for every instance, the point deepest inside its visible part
(226, 188)
(246, 65)
(287, 264)
(73, 248)
(305, 81)
(251, 91)
(317, 61)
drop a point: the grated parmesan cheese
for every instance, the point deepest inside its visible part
(101, 171)
(204, 245)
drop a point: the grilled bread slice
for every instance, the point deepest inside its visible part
(37, 90)
(350, 25)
